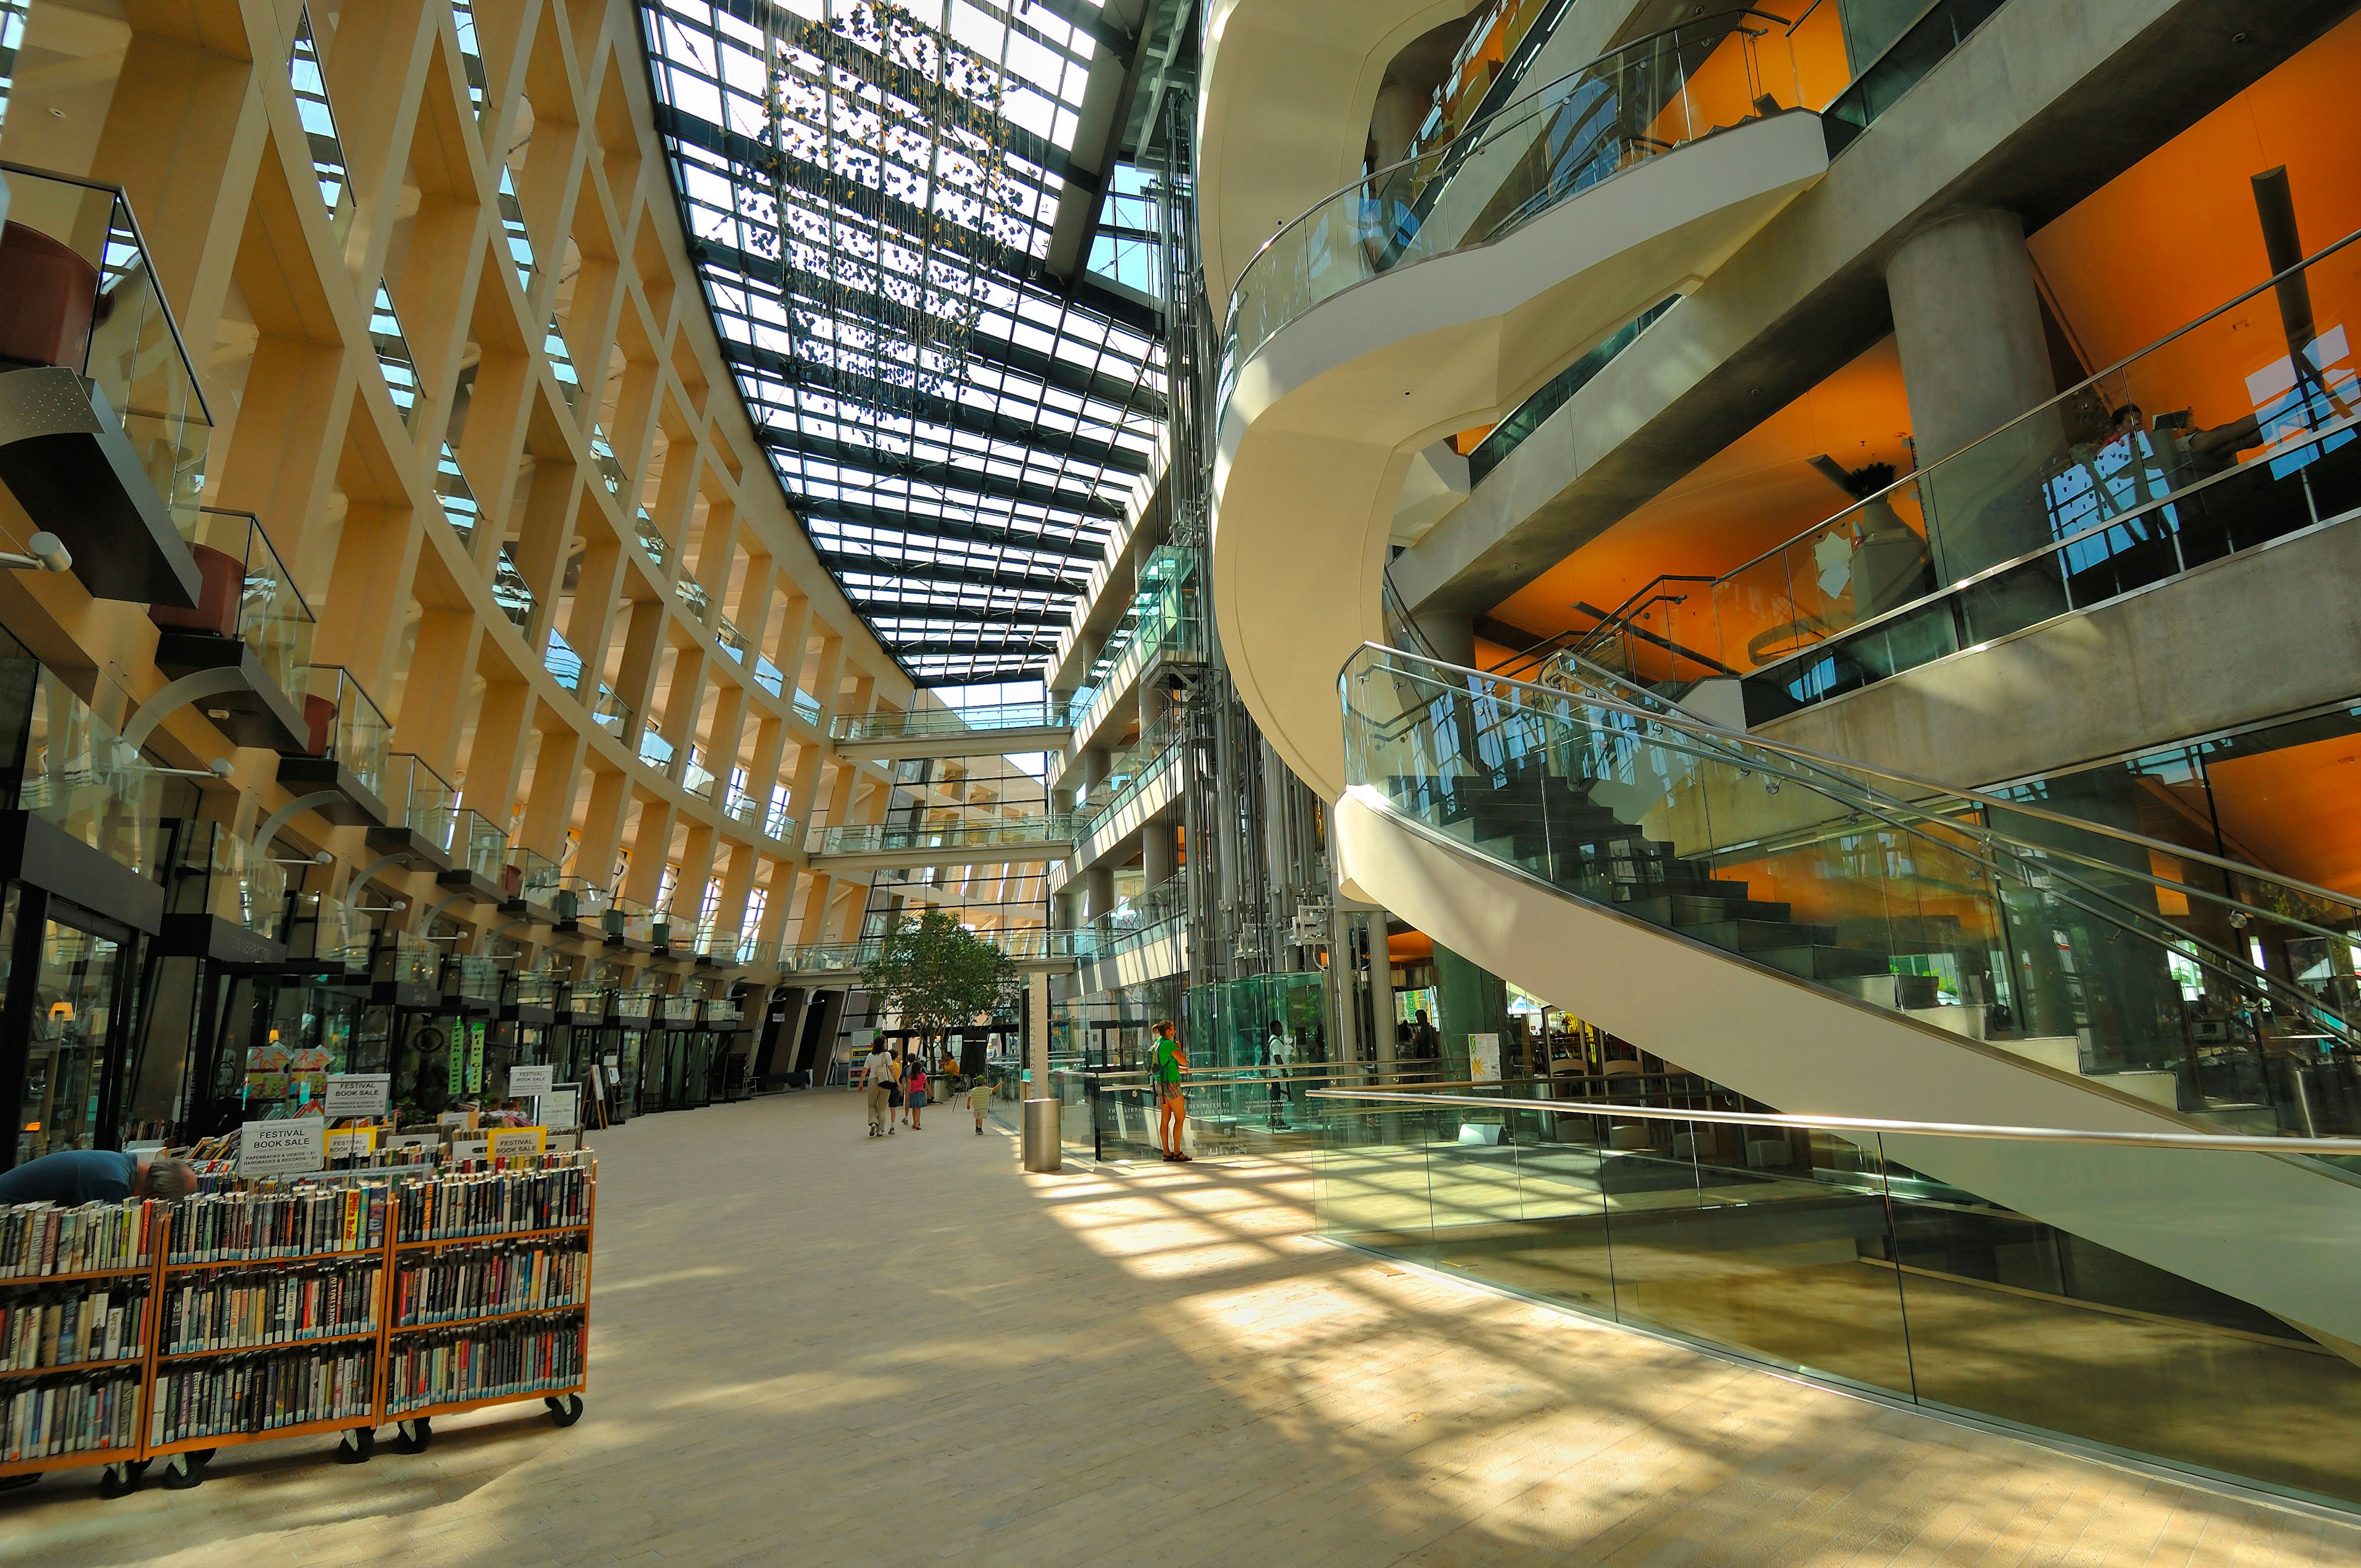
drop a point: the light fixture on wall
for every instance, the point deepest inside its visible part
(45, 552)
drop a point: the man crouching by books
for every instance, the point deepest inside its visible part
(877, 1077)
(74, 1176)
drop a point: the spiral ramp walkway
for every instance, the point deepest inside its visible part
(1318, 422)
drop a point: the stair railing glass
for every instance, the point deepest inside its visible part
(2085, 963)
(1860, 1252)
(1645, 98)
(2234, 431)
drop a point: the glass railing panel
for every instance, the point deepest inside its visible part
(577, 898)
(1056, 713)
(319, 118)
(459, 500)
(530, 990)
(393, 357)
(651, 537)
(419, 797)
(696, 778)
(513, 229)
(471, 55)
(230, 879)
(807, 707)
(511, 593)
(247, 594)
(12, 38)
(612, 714)
(1642, 100)
(1555, 393)
(124, 340)
(777, 822)
(340, 933)
(535, 879)
(1818, 1250)
(471, 841)
(2056, 943)
(561, 364)
(767, 675)
(354, 727)
(694, 598)
(473, 978)
(655, 751)
(71, 769)
(405, 958)
(1897, 64)
(604, 463)
(564, 664)
(1052, 831)
(2224, 436)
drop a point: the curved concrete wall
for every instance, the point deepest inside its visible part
(1322, 421)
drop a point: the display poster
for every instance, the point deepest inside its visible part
(475, 1058)
(307, 1079)
(465, 1120)
(525, 1079)
(455, 1065)
(357, 1094)
(516, 1143)
(282, 1148)
(560, 1107)
(1484, 1057)
(351, 1142)
(265, 1071)
(598, 1084)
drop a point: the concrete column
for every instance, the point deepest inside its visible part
(1452, 633)
(1967, 322)
(1381, 993)
(1098, 891)
(1159, 855)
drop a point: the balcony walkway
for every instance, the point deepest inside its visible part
(811, 1348)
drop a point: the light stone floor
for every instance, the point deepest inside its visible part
(811, 1348)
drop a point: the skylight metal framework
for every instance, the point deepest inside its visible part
(959, 432)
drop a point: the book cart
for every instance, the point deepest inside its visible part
(196, 1382)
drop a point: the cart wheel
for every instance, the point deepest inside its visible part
(119, 1480)
(357, 1445)
(18, 1483)
(200, 1457)
(564, 1409)
(182, 1471)
(411, 1437)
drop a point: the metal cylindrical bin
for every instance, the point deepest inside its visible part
(1041, 1134)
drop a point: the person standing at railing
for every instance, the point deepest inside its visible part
(1168, 1064)
(1278, 1054)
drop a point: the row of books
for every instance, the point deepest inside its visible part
(68, 1323)
(69, 1414)
(249, 1309)
(303, 1220)
(35, 1239)
(477, 1282)
(263, 1393)
(452, 1364)
(483, 1203)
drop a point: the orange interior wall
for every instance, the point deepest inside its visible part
(2176, 235)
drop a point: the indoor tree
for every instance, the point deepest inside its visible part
(938, 976)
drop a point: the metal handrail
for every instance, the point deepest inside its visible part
(2226, 1143)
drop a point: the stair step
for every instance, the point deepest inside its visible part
(1826, 963)
(1693, 909)
(1758, 936)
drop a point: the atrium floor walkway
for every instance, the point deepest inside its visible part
(810, 1348)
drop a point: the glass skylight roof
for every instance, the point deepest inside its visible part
(962, 516)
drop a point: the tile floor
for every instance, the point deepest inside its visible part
(812, 1348)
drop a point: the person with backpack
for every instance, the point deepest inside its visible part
(1171, 1105)
(877, 1081)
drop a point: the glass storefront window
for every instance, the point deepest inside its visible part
(73, 1008)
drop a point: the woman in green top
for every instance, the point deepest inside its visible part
(1171, 1062)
